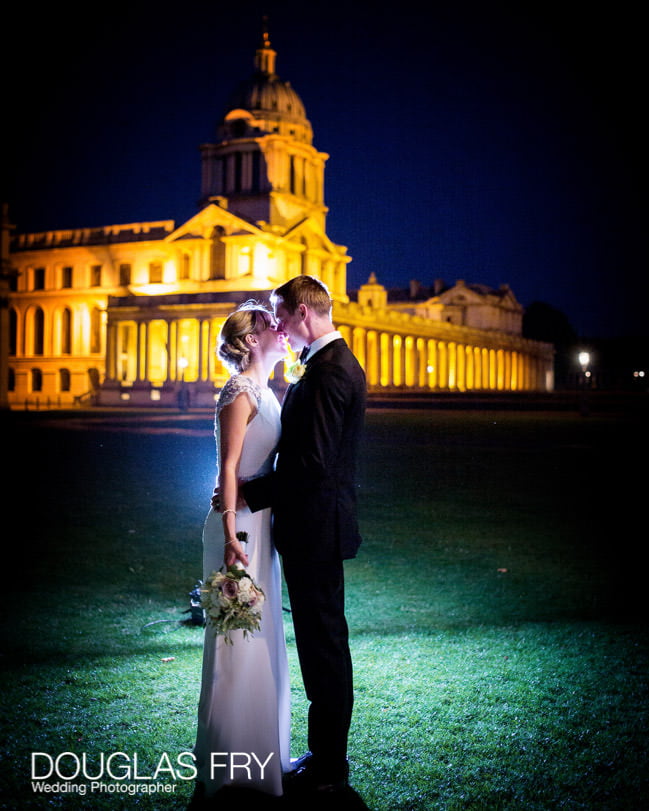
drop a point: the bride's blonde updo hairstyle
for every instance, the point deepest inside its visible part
(250, 318)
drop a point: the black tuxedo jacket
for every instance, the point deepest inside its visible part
(313, 489)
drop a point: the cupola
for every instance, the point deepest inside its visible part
(264, 104)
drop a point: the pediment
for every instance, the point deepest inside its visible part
(310, 231)
(461, 295)
(212, 216)
(509, 300)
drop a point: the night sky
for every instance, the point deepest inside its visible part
(466, 140)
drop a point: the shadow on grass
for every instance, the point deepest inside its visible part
(345, 800)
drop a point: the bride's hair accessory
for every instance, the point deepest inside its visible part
(250, 318)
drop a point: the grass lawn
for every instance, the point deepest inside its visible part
(497, 609)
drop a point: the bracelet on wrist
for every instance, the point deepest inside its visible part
(234, 512)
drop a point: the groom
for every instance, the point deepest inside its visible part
(312, 494)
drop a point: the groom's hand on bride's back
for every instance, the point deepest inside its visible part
(216, 500)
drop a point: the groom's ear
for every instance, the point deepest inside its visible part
(303, 311)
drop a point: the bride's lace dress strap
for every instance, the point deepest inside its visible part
(236, 385)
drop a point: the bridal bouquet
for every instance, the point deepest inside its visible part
(232, 602)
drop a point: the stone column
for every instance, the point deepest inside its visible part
(142, 367)
(431, 364)
(111, 351)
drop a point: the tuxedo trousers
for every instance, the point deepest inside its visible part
(317, 595)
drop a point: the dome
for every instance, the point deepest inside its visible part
(264, 103)
(267, 94)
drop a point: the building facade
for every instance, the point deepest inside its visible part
(131, 313)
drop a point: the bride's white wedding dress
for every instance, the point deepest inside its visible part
(244, 705)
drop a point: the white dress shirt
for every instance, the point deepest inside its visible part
(320, 342)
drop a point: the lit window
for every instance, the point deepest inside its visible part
(155, 272)
(38, 337)
(95, 330)
(66, 331)
(124, 274)
(39, 279)
(95, 276)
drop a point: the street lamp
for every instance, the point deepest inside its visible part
(584, 380)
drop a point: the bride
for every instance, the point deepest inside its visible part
(244, 705)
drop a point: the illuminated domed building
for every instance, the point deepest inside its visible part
(131, 313)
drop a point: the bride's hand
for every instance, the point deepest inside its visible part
(234, 552)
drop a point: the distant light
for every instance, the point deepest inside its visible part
(155, 394)
(183, 363)
(638, 374)
(584, 358)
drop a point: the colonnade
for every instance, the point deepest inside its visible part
(160, 351)
(395, 360)
(163, 350)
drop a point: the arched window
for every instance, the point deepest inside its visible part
(13, 332)
(66, 332)
(38, 337)
(291, 179)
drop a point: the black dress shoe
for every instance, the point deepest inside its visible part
(305, 776)
(298, 764)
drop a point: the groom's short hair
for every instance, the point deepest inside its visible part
(304, 290)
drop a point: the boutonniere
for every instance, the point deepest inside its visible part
(295, 371)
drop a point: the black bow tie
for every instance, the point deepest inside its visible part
(303, 354)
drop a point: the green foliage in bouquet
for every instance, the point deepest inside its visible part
(232, 601)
